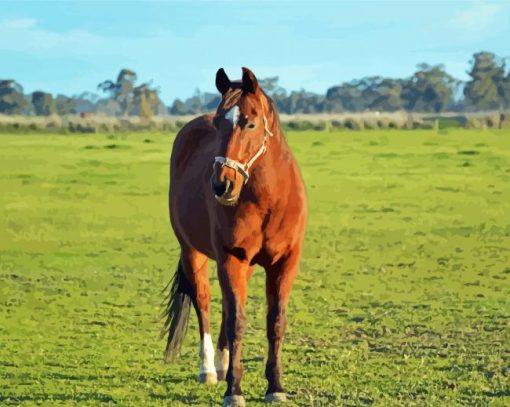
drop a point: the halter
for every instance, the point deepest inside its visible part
(243, 168)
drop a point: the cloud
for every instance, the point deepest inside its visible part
(478, 17)
(26, 37)
(18, 23)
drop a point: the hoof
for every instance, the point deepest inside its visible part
(234, 401)
(207, 378)
(221, 374)
(276, 398)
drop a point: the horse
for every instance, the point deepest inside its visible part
(237, 197)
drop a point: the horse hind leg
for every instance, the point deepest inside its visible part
(195, 273)
(196, 266)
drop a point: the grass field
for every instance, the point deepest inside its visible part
(403, 296)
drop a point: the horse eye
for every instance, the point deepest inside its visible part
(251, 126)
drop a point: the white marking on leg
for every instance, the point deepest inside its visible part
(222, 359)
(207, 355)
(233, 115)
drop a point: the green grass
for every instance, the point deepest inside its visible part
(403, 296)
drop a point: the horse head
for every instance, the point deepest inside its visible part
(243, 120)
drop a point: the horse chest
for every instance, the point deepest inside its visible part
(238, 228)
(277, 239)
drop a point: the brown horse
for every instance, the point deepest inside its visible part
(237, 197)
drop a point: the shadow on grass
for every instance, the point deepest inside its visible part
(500, 393)
(37, 398)
(180, 383)
(187, 400)
(63, 376)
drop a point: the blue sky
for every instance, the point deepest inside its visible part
(69, 47)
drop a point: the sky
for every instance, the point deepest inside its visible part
(70, 46)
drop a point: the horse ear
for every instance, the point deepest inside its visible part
(222, 81)
(250, 83)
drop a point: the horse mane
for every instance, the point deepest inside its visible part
(274, 113)
(231, 98)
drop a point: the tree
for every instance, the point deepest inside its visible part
(430, 89)
(194, 105)
(505, 91)
(86, 102)
(300, 102)
(121, 90)
(381, 94)
(210, 101)
(146, 100)
(177, 108)
(107, 106)
(346, 97)
(486, 89)
(142, 100)
(44, 104)
(12, 100)
(271, 87)
(65, 105)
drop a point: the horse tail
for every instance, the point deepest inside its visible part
(176, 312)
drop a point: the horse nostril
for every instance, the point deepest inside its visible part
(219, 189)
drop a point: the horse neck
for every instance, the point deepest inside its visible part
(274, 167)
(278, 148)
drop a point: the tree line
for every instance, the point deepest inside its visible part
(123, 97)
(429, 89)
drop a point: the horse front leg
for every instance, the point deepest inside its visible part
(222, 351)
(279, 279)
(233, 274)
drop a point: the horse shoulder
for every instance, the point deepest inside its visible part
(190, 140)
(286, 227)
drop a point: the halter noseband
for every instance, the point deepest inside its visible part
(244, 168)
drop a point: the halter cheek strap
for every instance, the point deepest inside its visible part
(243, 169)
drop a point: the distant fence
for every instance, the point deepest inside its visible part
(342, 121)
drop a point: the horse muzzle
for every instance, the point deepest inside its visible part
(224, 192)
